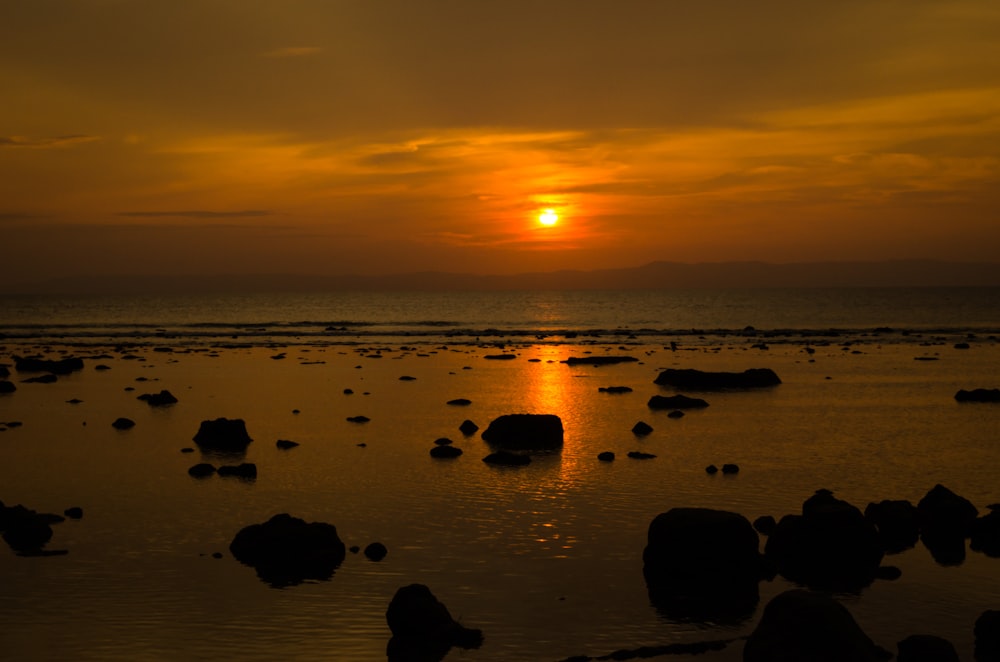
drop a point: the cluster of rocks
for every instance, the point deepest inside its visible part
(244, 470)
(27, 532)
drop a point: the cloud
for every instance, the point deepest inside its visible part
(41, 143)
(197, 213)
(294, 51)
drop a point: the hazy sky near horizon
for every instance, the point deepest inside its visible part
(384, 136)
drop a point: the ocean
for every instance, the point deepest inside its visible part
(546, 559)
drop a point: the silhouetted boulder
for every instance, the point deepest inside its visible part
(507, 459)
(599, 360)
(223, 434)
(443, 441)
(898, 524)
(376, 551)
(829, 546)
(445, 452)
(525, 432)
(161, 399)
(74, 512)
(702, 564)
(7, 387)
(730, 468)
(677, 413)
(926, 648)
(945, 522)
(285, 444)
(286, 550)
(122, 423)
(699, 380)
(675, 402)
(606, 456)
(800, 625)
(711, 470)
(641, 429)
(468, 428)
(201, 470)
(56, 367)
(985, 534)
(987, 633)
(639, 455)
(25, 531)
(422, 628)
(764, 525)
(979, 395)
(358, 419)
(460, 402)
(244, 470)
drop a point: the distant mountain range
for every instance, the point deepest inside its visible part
(656, 275)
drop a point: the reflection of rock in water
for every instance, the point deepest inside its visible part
(423, 629)
(702, 564)
(286, 550)
(801, 625)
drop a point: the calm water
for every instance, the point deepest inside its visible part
(545, 559)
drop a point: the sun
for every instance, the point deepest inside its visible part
(548, 217)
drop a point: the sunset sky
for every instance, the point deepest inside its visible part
(327, 137)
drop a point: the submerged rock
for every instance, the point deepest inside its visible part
(245, 470)
(286, 550)
(802, 625)
(122, 423)
(675, 402)
(422, 628)
(56, 367)
(223, 434)
(201, 470)
(701, 380)
(445, 452)
(525, 432)
(285, 444)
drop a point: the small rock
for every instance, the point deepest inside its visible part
(201, 470)
(639, 455)
(641, 429)
(123, 423)
(445, 452)
(376, 551)
(285, 444)
(606, 456)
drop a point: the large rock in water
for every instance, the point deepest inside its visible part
(702, 564)
(286, 550)
(800, 625)
(946, 520)
(223, 434)
(701, 380)
(422, 628)
(525, 432)
(829, 546)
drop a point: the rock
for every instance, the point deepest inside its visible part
(201, 470)
(614, 389)
(468, 428)
(926, 648)
(830, 546)
(25, 531)
(122, 423)
(801, 625)
(56, 367)
(407, 378)
(599, 360)
(945, 522)
(7, 387)
(223, 434)
(4, 371)
(376, 551)
(161, 399)
(639, 455)
(460, 402)
(606, 456)
(443, 441)
(445, 452)
(764, 525)
(348, 391)
(285, 444)
(422, 628)
(642, 429)
(888, 572)
(706, 381)
(506, 459)
(730, 468)
(675, 402)
(987, 632)
(74, 512)
(898, 524)
(702, 564)
(358, 419)
(286, 550)
(711, 469)
(41, 379)
(979, 395)
(677, 413)
(500, 357)
(985, 534)
(525, 432)
(245, 470)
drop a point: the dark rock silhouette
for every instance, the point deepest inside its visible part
(500, 357)
(358, 419)
(201, 470)
(468, 428)
(606, 456)
(708, 381)
(122, 423)
(898, 524)
(422, 628)
(987, 633)
(443, 441)
(7, 387)
(445, 452)
(599, 360)
(161, 399)
(56, 367)
(285, 444)
(74, 512)
(711, 469)
(27, 532)
(985, 534)
(4, 372)
(703, 564)
(245, 470)
(641, 429)
(507, 459)
(945, 522)
(829, 546)
(639, 455)
(979, 395)
(41, 379)
(677, 413)
(286, 550)
(730, 468)
(376, 551)
(675, 402)
(802, 625)
(223, 434)
(460, 402)
(614, 389)
(926, 648)
(764, 525)
(525, 432)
